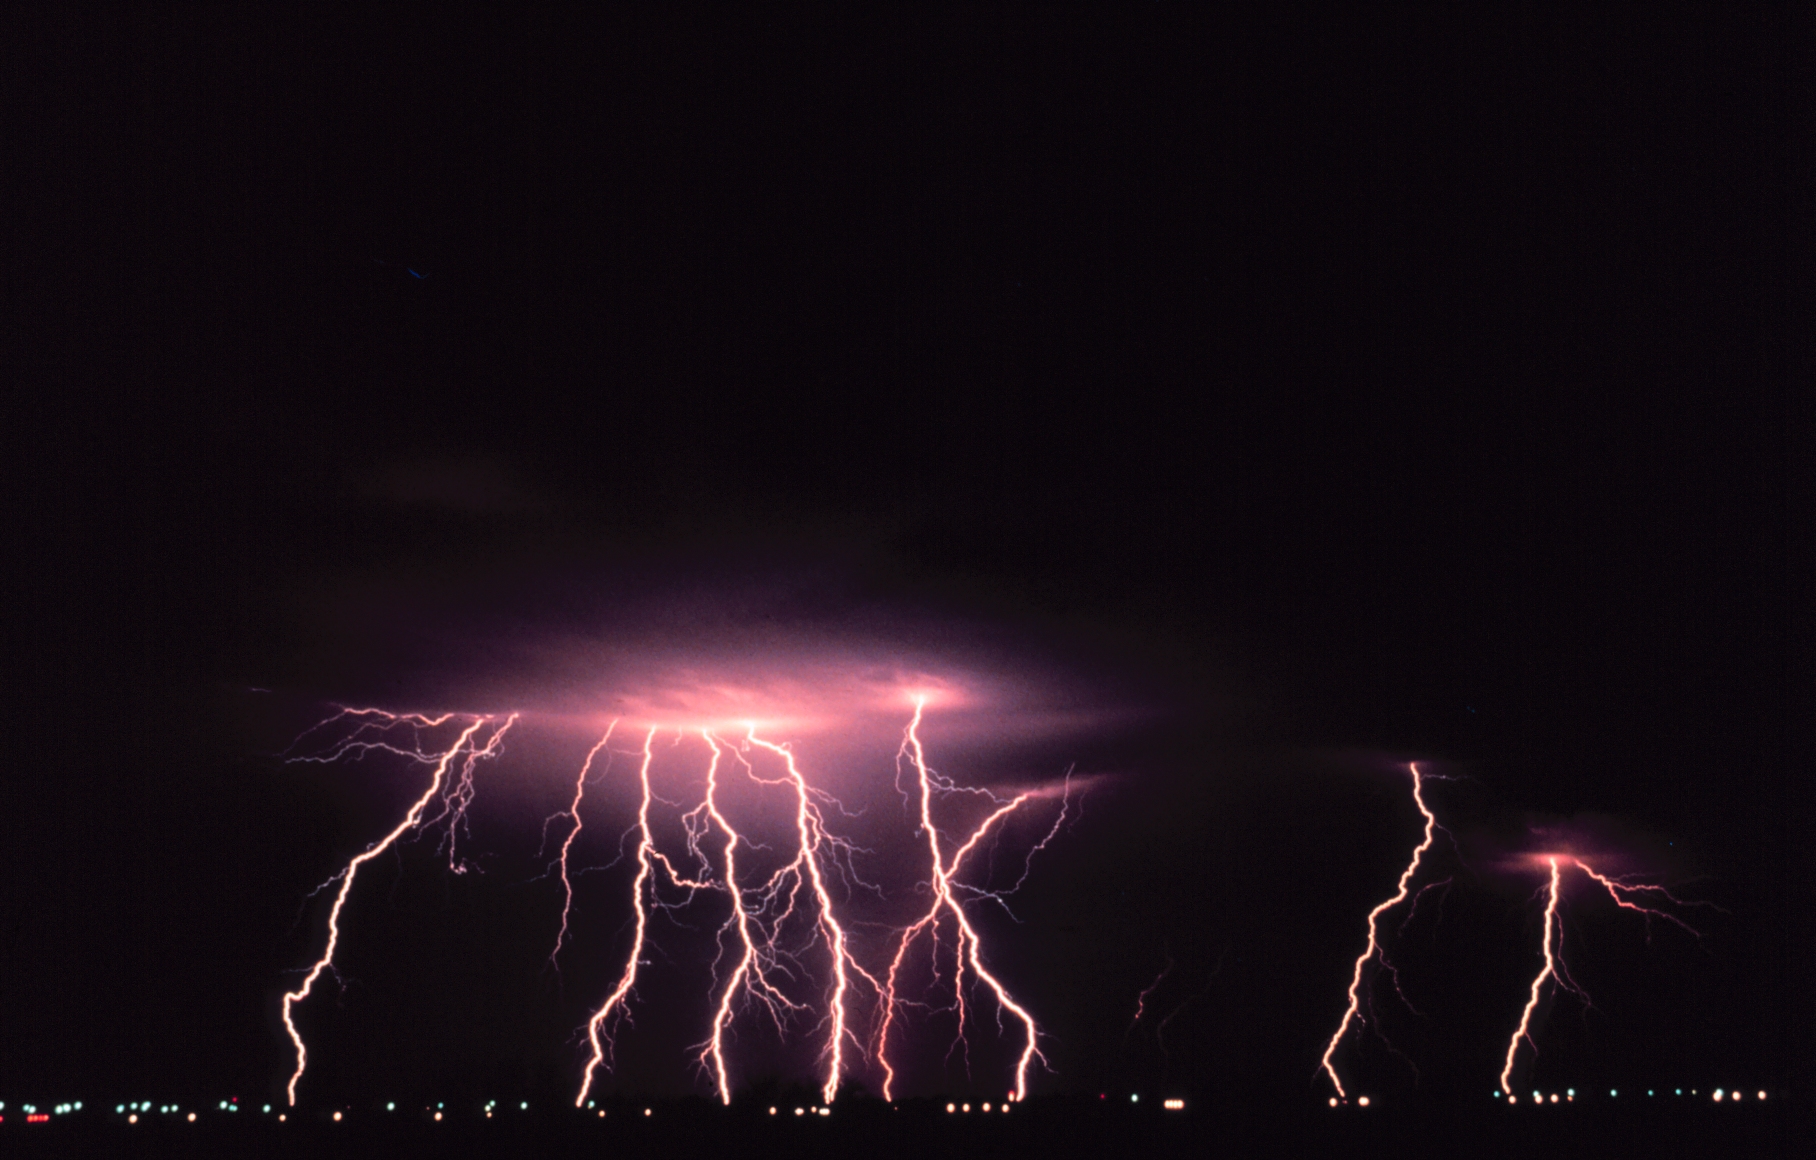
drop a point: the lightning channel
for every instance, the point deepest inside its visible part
(1373, 949)
(371, 735)
(1550, 970)
(567, 843)
(599, 1039)
(944, 900)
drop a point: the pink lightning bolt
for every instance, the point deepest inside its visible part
(567, 844)
(810, 828)
(1620, 891)
(645, 850)
(360, 742)
(944, 900)
(1550, 970)
(1141, 1000)
(755, 954)
(1373, 950)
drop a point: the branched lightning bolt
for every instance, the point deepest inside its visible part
(567, 844)
(1620, 890)
(944, 900)
(372, 733)
(754, 939)
(1550, 970)
(1551, 947)
(1373, 950)
(757, 953)
(811, 830)
(645, 850)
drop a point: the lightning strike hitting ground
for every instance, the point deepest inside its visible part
(763, 957)
(645, 848)
(945, 900)
(749, 977)
(373, 732)
(1549, 949)
(1551, 946)
(1373, 950)
(811, 829)
(757, 918)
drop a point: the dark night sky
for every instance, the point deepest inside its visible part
(1423, 382)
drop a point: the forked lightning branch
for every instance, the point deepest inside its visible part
(785, 955)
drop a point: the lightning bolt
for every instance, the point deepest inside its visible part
(811, 830)
(1620, 890)
(760, 959)
(567, 844)
(1549, 949)
(748, 976)
(645, 850)
(1551, 946)
(945, 900)
(1141, 1000)
(1373, 950)
(373, 734)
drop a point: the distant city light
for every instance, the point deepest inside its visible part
(1173, 1105)
(1363, 1102)
(133, 1118)
(337, 1117)
(192, 1117)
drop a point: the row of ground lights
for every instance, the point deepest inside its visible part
(1718, 1095)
